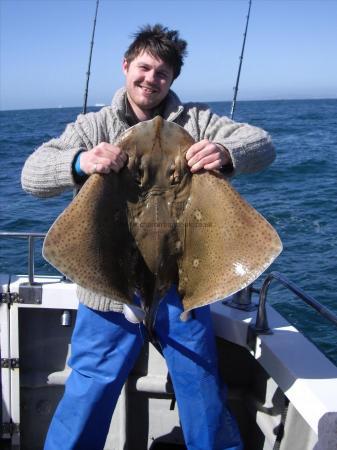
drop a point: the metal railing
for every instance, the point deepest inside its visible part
(31, 237)
(261, 324)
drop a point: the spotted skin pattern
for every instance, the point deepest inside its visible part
(154, 224)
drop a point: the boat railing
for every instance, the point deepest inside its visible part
(261, 325)
(242, 299)
(31, 238)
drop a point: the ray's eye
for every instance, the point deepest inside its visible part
(136, 169)
(170, 170)
(173, 174)
(139, 175)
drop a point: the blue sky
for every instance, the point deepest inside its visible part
(290, 52)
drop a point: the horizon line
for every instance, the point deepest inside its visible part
(101, 105)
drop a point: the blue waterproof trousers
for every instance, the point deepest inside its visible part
(105, 347)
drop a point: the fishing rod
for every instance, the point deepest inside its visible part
(236, 88)
(75, 191)
(89, 64)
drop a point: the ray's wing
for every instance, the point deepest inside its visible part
(227, 244)
(90, 242)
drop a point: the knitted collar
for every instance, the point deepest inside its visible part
(131, 117)
(172, 109)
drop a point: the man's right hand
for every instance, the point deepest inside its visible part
(102, 159)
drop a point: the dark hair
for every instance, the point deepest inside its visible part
(160, 42)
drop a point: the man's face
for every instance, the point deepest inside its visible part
(148, 81)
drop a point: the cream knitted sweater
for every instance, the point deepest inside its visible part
(49, 170)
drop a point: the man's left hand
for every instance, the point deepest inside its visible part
(207, 155)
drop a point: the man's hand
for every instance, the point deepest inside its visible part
(102, 159)
(207, 155)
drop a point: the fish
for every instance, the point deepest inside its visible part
(155, 224)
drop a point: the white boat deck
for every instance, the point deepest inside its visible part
(303, 373)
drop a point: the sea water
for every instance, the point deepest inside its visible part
(297, 194)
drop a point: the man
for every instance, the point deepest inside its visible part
(105, 345)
